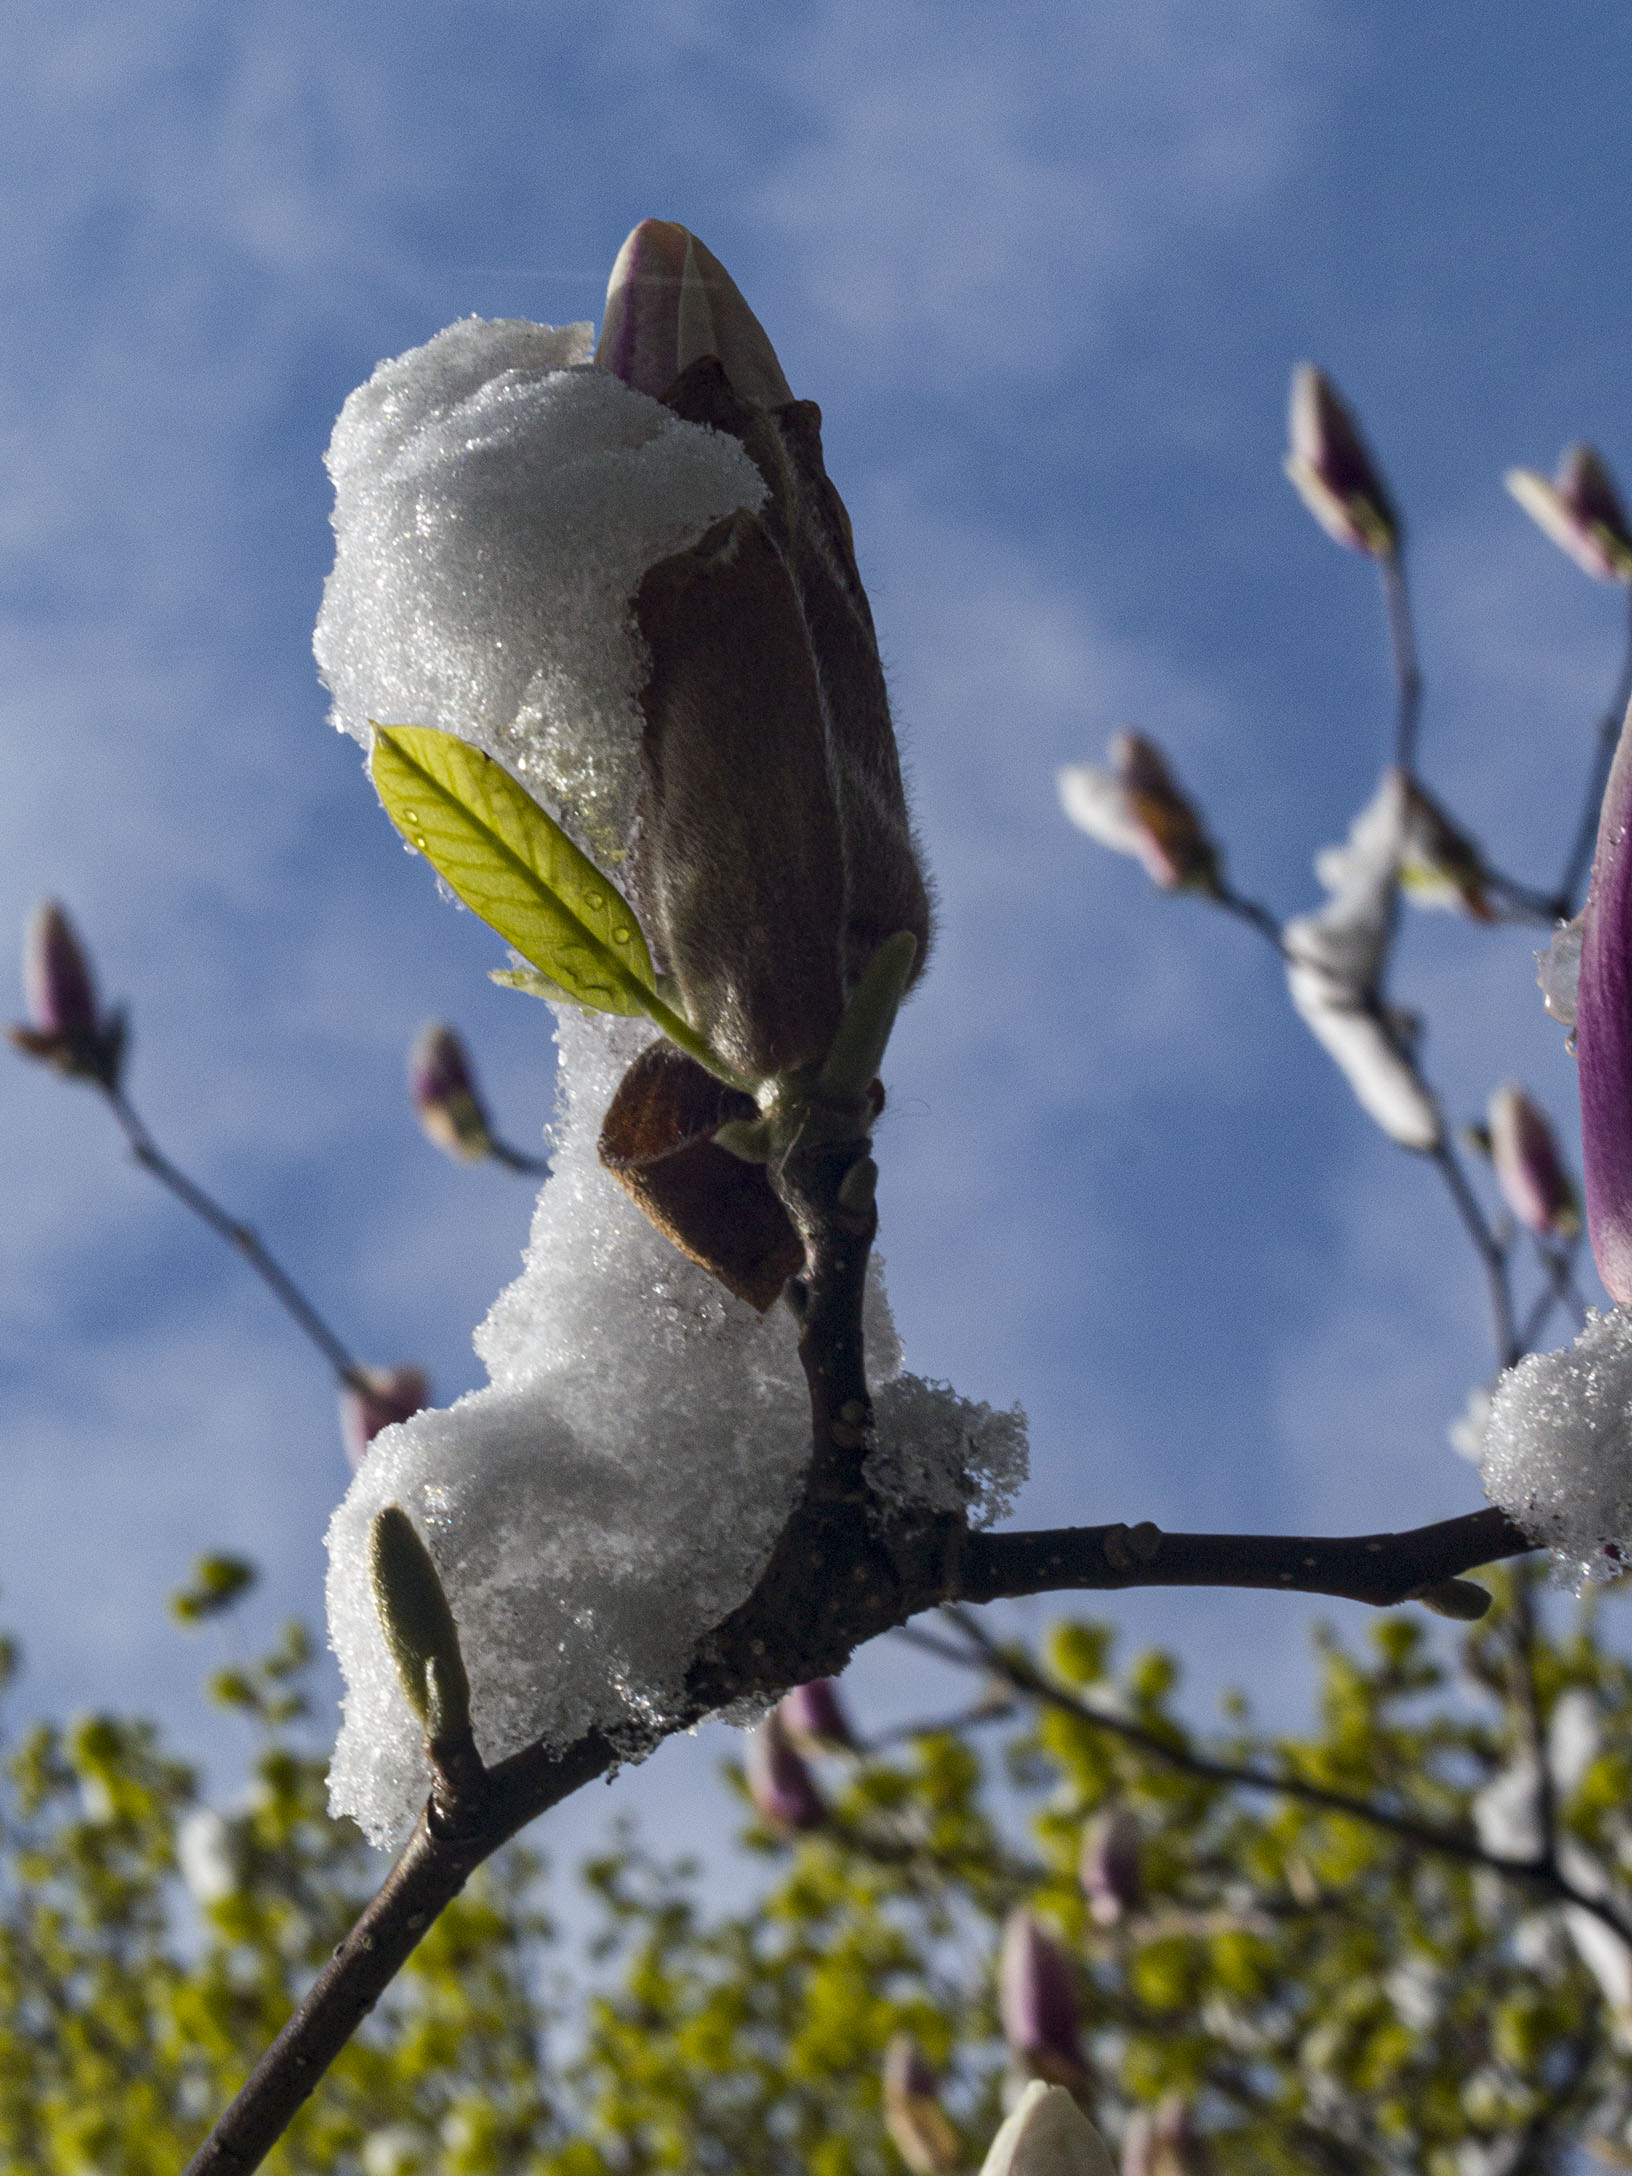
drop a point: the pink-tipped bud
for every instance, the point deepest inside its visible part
(671, 301)
(1603, 1035)
(65, 1027)
(815, 1718)
(442, 1089)
(913, 2114)
(781, 1786)
(1137, 808)
(1037, 2002)
(1332, 470)
(1529, 1169)
(392, 1394)
(1581, 511)
(1109, 1868)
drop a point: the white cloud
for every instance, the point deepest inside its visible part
(974, 186)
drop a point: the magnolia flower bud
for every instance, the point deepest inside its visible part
(1137, 808)
(1529, 1170)
(781, 1786)
(1037, 2002)
(1581, 511)
(442, 1089)
(913, 2115)
(65, 1027)
(1440, 866)
(392, 1394)
(1047, 2135)
(670, 301)
(1603, 1035)
(1109, 1866)
(1331, 468)
(815, 1718)
(769, 866)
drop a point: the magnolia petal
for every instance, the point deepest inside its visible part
(1603, 1035)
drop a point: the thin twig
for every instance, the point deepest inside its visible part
(1540, 1873)
(1251, 912)
(1402, 642)
(1493, 1256)
(1586, 834)
(240, 1237)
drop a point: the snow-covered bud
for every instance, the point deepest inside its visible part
(1580, 511)
(1165, 2142)
(913, 2114)
(1603, 1035)
(1047, 2135)
(442, 1089)
(1109, 1868)
(1440, 866)
(670, 301)
(384, 1396)
(815, 1718)
(1529, 1169)
(1037, 2002)
(781, 1786)
(1137, 808)
(1332, 470)
(65, 1027)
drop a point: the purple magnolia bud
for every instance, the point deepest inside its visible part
(1037, 2002)
(1331, 468)
(669, 302)
(913, 2114)
(442, 1089)
(392, 1394)
(1137, 808)
(65, 1027)
(1109, 1866)
(1529, 1169)
(815, 1718)
(1581, 511)
(1603, 1035)
(57, 981)
(782, 1789)
(1440, 866)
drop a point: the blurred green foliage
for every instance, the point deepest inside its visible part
(1324, 1993)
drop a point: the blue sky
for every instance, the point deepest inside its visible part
(1046, 268)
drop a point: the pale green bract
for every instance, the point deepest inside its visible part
(512, 864)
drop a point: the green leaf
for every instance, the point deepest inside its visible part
(513, 865)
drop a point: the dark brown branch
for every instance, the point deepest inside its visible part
(1381, 1569)
(842, 1573)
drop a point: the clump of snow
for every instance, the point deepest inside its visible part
(618, 1487)
(1334, 964)
(497, 500)
(1558, 1447)
(936, 1451)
